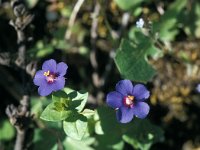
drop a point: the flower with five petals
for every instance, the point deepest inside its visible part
(128, 101)
(51, 77)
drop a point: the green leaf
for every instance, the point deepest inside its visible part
(108, 130)
(59, 33)
(106, 121)
(167, 26)
(47, 138)
(142, 134)
(88, 113)
(139, 133)
(36, 107)
(59, 96)
(190, 20)
(197, 21)
(7, 132)
(71, 144)
(127, 4)
(75, 126)
(38, 104)
(131, 60)
(32, 3)
(55, 112)
(78, 99)
(109, 142)
(73, 100)
(43, 48)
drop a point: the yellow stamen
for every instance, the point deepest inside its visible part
(47, 73)
(130, 97)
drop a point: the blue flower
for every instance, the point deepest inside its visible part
(51, 77)
(128, 101)
(140, 23)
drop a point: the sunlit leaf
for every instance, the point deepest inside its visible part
(71, 144)
(54, 113)
(108, 129)
(78, 99)
(88, 113)
(32, 3)
(75, 126)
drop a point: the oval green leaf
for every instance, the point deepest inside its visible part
(55, 113)
(75, 126)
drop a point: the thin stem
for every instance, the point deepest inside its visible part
(19, 143)
(72, 18)
(93, 34)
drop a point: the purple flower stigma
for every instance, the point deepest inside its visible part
(128, 101)
(50, 76)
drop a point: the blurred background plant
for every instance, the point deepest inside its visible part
(86, 34)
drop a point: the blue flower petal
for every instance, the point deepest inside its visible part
(141, 110)
(114, 99)
(124, 114)
(140, 92)
(39, 78)
(45, 89)
(58, 84)
(125, 87)
(61, 68)
(49, 65)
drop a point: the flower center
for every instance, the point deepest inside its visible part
(50, 77)
(128, 101)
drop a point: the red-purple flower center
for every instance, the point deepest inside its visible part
(50, 76)
(128, 101)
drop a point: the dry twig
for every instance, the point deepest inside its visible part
(72, 18)
(20, 116)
